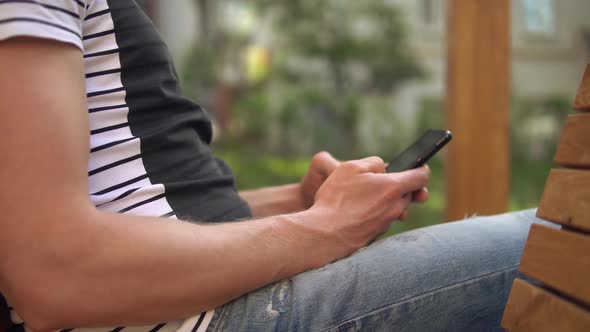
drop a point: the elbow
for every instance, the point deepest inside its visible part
(39, 320)
(47, 298)
(42, 279)
(40, 304)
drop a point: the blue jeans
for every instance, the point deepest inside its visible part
(448, 277)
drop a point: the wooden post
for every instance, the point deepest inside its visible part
(478, 107)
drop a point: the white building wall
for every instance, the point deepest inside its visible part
(177, 22)
(552, 64)
(541, 65)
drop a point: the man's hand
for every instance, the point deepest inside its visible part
(418, 196)
(321, 166)
(360, 200)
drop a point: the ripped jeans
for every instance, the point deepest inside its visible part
(448, 277)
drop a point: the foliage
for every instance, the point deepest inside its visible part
(536, 126)
(430, 114)
(254, 171)
(199, 74)
(328, 57)
(335, 66)
(368, 34)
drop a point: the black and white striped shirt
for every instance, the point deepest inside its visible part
(149, 146)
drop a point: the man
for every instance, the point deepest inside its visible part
(101, 155)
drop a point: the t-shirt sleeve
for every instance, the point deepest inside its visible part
(59, 20)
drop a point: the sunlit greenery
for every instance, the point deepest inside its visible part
(322, 77)
(320, 71)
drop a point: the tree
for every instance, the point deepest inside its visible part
(338, 51)
(328, 56)
(367, 35)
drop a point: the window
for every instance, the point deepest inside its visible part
(427, 12)
(430, 16)
(539, 17)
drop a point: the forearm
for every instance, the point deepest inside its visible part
(141, 270)
(273, 201)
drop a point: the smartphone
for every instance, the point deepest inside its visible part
(421, 151)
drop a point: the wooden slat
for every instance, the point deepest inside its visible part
(559, 259)
(531, 308)
(478, 102)
(566, 198)
(574, 145)
(582, 101)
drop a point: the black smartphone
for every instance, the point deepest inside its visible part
(421, 151)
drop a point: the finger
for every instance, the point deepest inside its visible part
(326, 163)
(412, 180)
(400, 206)
(420, 196)
(374, 164)
(366, 165)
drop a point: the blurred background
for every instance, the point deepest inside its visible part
(284, 79)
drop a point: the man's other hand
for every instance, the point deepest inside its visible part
(321, 166)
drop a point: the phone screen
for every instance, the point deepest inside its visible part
(421, 151)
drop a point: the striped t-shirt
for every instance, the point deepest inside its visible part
(149, 146)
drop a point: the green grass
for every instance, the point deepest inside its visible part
(255, 171)
(528, 180)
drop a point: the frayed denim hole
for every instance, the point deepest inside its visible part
(274, 300)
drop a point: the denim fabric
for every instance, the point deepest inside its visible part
(448, 277)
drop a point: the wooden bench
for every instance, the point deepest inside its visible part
(559, 260)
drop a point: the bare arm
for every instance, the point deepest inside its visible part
(57, 251)
(272, 201)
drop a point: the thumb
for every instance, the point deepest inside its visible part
(325, 162)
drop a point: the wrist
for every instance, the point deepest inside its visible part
(310, 231)
(272, 201)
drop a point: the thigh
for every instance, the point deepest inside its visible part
(453, 276)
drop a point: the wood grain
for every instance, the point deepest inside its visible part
(478, 107)
(566, 198)
(582, 102)
(531, 308)
(574, 145)
(559, 259)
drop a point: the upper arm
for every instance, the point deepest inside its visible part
(43, 144)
